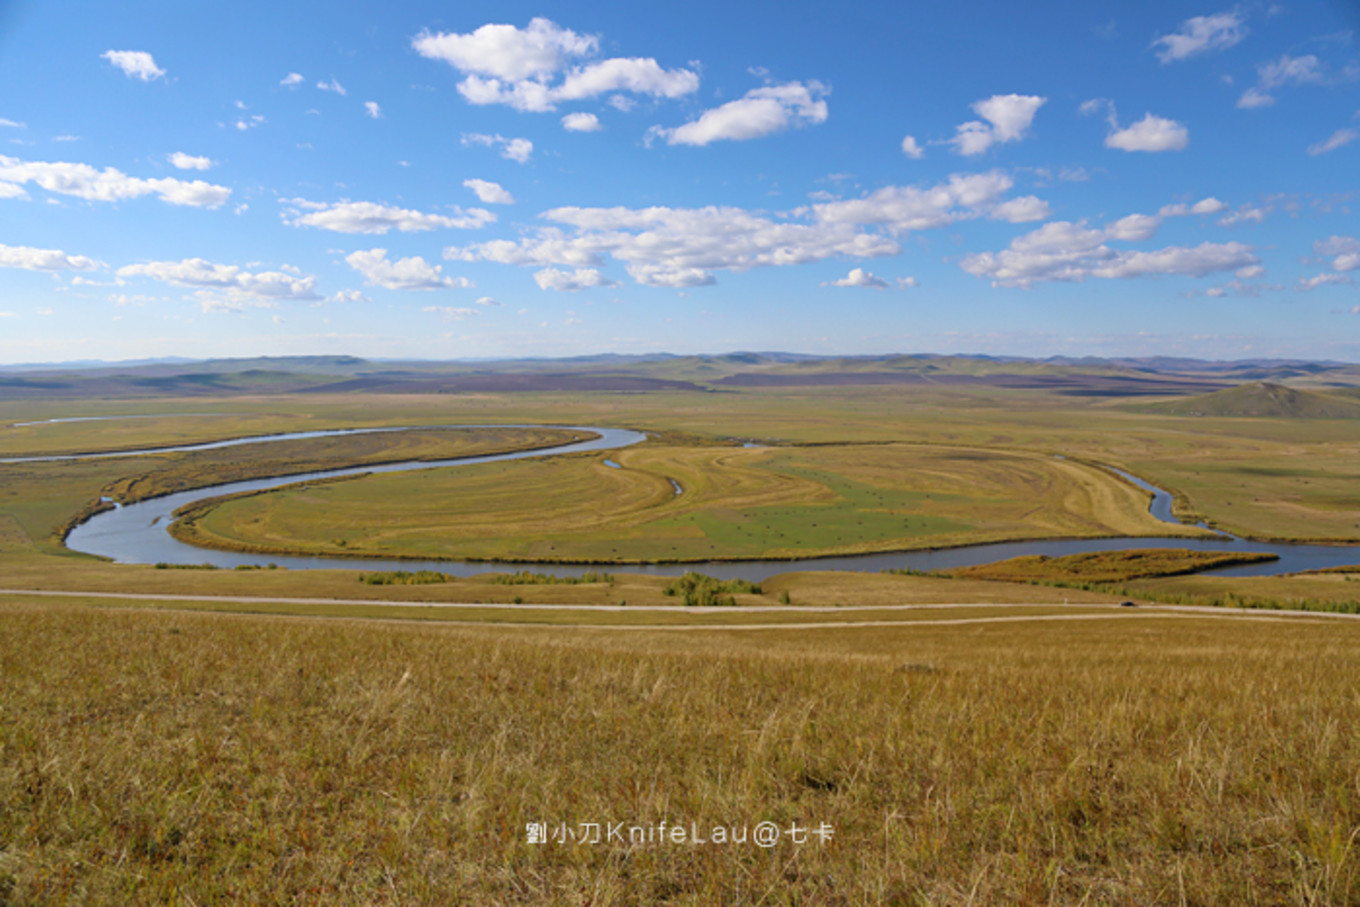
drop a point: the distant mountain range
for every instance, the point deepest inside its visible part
(1083, 376)
(326, 363)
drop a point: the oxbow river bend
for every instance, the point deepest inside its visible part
(136, 533)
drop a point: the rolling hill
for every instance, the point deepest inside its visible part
(1263, 399)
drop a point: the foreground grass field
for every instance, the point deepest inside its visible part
(192, 758)
(734, 503)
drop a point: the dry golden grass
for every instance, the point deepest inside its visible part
(821, 588)
(178, 758)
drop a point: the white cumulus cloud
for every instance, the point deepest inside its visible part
(1253, 98)
(581, 122)
(912, 149)
(226, 287)
(370, 217)
(760, 112)
(1245, 214)
(1007, 118)
(31, 259)
(570, 281)
(683, 247)
(184, 161)
(676, 247)
(527, 68)
(412, 273)
(858, 277)
(292, 80)
(1202, 34)
(108, 185)
(1068, 251)
(517, 150)
(136, 64)
(902, 208)
(507, 52)
(489, 193)
(332, 85)
(1346, 250)
(1021, 210)
(1151, 133)
(1203, 206)
(373, 110)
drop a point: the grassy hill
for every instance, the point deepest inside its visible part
(1263, 399)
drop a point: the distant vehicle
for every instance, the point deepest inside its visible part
(1128, 604)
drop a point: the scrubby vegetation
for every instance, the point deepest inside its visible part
(403, 578)
(696, 589)
(529, 578)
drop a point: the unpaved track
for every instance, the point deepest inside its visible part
(1108, 612)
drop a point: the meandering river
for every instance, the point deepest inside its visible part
(136, 533)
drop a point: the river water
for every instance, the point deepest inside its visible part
(136, 533)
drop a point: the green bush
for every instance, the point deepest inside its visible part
(705, 591)
(403, 578)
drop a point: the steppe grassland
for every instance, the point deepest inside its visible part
(179, 757)
(736, 503)
(163, 756)
(1282, 478)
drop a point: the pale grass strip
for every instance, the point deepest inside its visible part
(1183, 612)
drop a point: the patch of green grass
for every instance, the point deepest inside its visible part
(529, 578)
(806, 529)
(403, 578)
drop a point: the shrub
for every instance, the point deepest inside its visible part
(403, 578)
(706, 591)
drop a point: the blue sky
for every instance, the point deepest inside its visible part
(462, 180)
